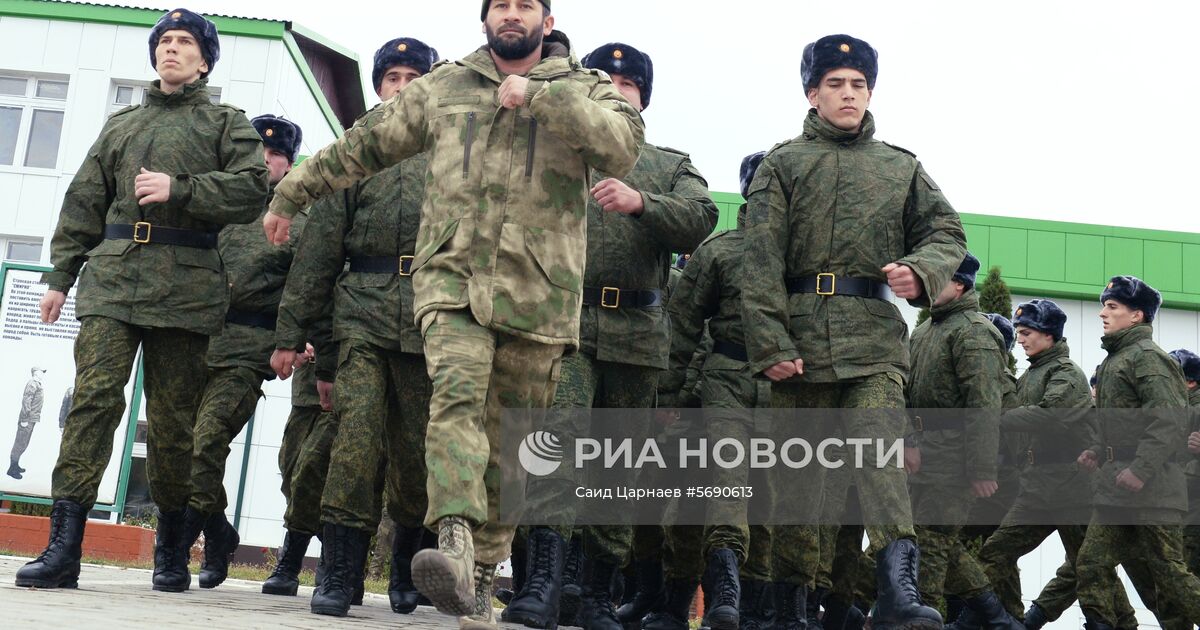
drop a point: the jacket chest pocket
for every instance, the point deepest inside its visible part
(458, 121)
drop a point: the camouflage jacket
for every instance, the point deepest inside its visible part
(1053, 382)
(257, 271)
(843, 203)
(214, 158)
(378, 216)
(1192, 467)
(629, 252)
(958, 363)
(31, 401)
(1137, 374)
(709, 291)
(503, 226)
(304, 386)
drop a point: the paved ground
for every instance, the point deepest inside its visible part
(110, 597)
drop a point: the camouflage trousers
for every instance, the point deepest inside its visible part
(21, 442)
(382, 401)
(1153, 558)
(304, 463)
(173, 372)
(477, 373)
(227, 404)
(882, 489)
(847, 573)
(1191, 531)
(946, 567)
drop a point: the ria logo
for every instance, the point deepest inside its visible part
(540, 453)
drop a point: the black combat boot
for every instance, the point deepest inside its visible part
(570, 594)
(649, 595)
(985, 611)
(898, 605)
(360, 569)
(596, 612)
(676, 607)
(1092, 623)
(341, 549)
(536, 604)
(756, 610)
(813, 605)
(722, 590)
(519, 553)
(221, 540)
(58, 564)
(173, 540)
(402, 592)
(840, 615)
(791, 604)
(1035, 617)
(14, 470)
(285, 579)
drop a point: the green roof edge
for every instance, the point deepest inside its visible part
(46, 9)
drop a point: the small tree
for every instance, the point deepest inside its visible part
(922, 316)
(994, 297)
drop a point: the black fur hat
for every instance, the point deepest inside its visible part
(280, 134)
(838, 51)
(203, 30)
(749, 168)
(626, 61)
(1189, 362)
(1043, 315)
(1133, 293)
(402, 51)
(966, 272)
(488, 3)
(1005, 327)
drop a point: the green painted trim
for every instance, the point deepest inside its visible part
(19, 498)
(135, 406)
(78, 12)
(237, 510)
(293, 48)
(1079, 228)
(322, 40)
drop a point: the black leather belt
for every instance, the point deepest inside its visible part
(1045, 457)
(1119, 453)
(143, 232)
(831, 284)
(612, 297)
(735, 351)
(940, 423)
(382, 264)
(256, 320)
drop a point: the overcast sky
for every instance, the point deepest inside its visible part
(1050, 109)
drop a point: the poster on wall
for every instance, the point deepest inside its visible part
(37, 384)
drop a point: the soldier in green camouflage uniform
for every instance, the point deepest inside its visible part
(143, 211)
(1190, 363)
(511, 132)
(634, 224)
(835, 217)
(1140, 490)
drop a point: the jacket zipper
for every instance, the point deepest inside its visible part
(470, 140)
(532, 146)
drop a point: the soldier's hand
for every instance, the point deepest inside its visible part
(511, 93)
(1194, 443)
(151, 187)
(283, 360)
(1088, 460)
(614, 196)
(52, 304)
(903, 281)
(1129, 481)
(983, 489)
(308, 356)
(912, 460)
(276, 228)
(325, 392)
(784, 370)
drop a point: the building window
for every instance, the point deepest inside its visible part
(126, 94)
(32, 110)
(23, 251)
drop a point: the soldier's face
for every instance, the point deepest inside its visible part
(841, 98)
(1116, 317)
(179, 58)
(629, 90)
(395, 80)
(1033, 341)
(951, 292)
(277, 164)
(515, 28)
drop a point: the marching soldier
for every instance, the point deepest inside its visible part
(143, 211)
(511, 132)
(30, 415)
(1190, 363)
(836, 217)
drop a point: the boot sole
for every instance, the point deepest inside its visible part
(723, 622)
(47, 583)
(331, 611)
(529, 620)
(915, 624)
(433, 575)
(170, 589)
(273, 590)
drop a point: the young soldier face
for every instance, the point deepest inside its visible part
(278, 164)
(952, 292)
(515, 28)
(179, 59)
(1116, 317)
(1033, 341)
(395, 80)
(841, 98)
(629, 90)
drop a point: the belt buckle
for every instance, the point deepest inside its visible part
(832, 284)
(918, 424)
(1029, 457)
(138, 226)
(607, 291)
(405, 259)
(1110, 454)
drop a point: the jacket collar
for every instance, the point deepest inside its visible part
(1059, 349)
(557, 60)
(817, 127)
(969, 301)
(190, 94)
(1113, 342)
